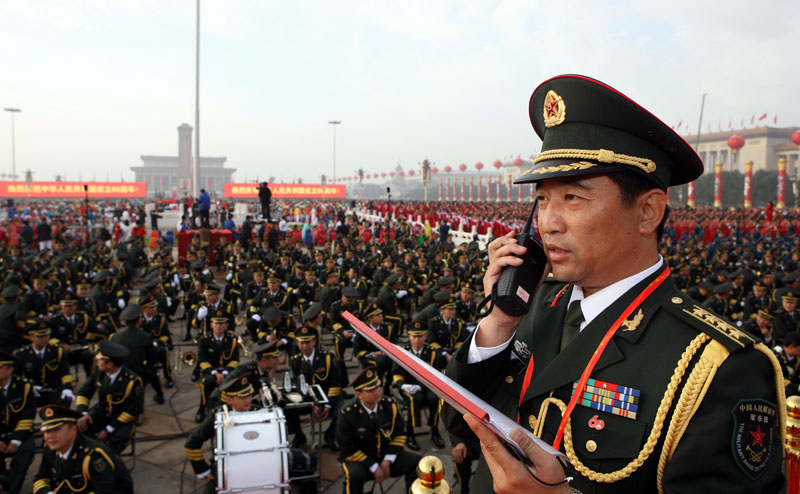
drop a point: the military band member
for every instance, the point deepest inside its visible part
(445, 332)
(318, 367)
(12, 327)
(465, 306)
(263, 370)
(17, 411)
(217, 356)
(416, 395)
(761, 327)
(789, 357)
(277, 325)
(237, 394)
(107, 304)
(366, 353)
(342, 333)
(155, 324)
(46, 366)
(757, 300)
(74, 329)
(38, 300)
(787, 319)
(141, 351)
(391, 299)
(73, 462)
(212, 305)
(371, 435)
(308, 291)
(120, 399)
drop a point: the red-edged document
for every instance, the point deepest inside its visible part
(450, 391)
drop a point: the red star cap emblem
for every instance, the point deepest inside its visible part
(758, 436)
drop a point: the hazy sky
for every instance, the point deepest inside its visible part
(101, 82)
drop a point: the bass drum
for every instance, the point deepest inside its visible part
(252, 452)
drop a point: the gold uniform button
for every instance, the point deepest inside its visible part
(591, 446)
(677, 300)
(509, 379)
(532, 421)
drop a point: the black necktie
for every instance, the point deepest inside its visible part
(572, 323)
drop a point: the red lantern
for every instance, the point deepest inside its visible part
(479, 166)
(383, 174)
(434, 170)
(448, 169)
(400, 173)
(410, 173)
(518, 161)
(497, 164)
(462, 167)
(796, 138)
(735, 142)
(391, 174)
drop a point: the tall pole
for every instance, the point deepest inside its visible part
(334, 123)
(700, 125)
(196, 177)
(13, 143)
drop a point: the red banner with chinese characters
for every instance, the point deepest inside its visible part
(73, 189)
(286, 191)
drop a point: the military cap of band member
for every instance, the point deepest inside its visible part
(392, 278)
(372, 310)
(313, 311)
(269, 349)
(271, 314)
(37, 327)
(102, 275)
(69, 299)
(308, 271)
(367, 380)
(467, 289)
(112, 351)
(332, 273)
(588, 127)
(211, 289)
(131, 312)
(54, 416)
(219, 316)
(7, 358)
(197, 264)
(723, 287)
(242, 386)
(450, 304)
(766, 312)
(10, 291)
(446, 280)
(148, 301)
(441, 296)
(789, 296)
(350, 291)
(273, 279)
(417, 328)
(305, 334)
(152, 283)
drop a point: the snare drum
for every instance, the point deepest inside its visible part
(252, 452)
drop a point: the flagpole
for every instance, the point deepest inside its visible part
(700, 124)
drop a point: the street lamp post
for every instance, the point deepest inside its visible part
(196, 174)
(13, 143)
(334, 123)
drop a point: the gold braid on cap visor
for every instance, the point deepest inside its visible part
(601, 155)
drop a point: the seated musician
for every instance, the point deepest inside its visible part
(238, 395)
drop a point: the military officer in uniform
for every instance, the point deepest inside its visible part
(445, 332)
(263, 371)
(787, 319)
(17, 411)
(686, 383)
(217, 356)
(342, 334)
(276, 325)
(46, 366)
(120, 401)
(318, 367)
(367, 354)
(212, 305)
(75, 463)
(417, 396)
(371, 435)
(155, 324)
(789, 357)
(72, 329)
(12, 328)
(141, 357)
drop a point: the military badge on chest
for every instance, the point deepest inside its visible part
(753, 434)
(519, 357)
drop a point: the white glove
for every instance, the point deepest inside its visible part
(37, 391)
(155, 344)
(229, 276)
(408, 388)
(202, 312)
(285, 285)
(67, 393)
(417, 389)
(121, 303)
(402, 293)
(256, 317)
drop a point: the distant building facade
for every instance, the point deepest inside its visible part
(172, 175)
(762, 145)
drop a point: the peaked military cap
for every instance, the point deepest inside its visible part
(7, 358)
(766, 312)
(54, 416)
(350, 291)
(446, 280)
(101, 276)
(10, 291)
(198, 264)
(148, 301)
(69, 299)
(241, 386)
(38, 327)
(112, 350)
(305, 334)
(367, 380)
(723, 287)
(441, 296)
(372, 310)
(392, 278)
(313, 311)
(131, 312)
(151, 283)
(219, 316)
(589, 127)
(417, 328)
(269, 348)
(211, 289)
(272, 314)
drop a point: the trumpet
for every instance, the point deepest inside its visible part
(185, 358)
(245, 351)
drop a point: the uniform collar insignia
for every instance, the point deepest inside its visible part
(632, 324)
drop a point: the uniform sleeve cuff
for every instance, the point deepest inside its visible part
(204, 474)
(373, 467)
(109, 429)
(477, 353)
(16, 442)
(390, 458)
